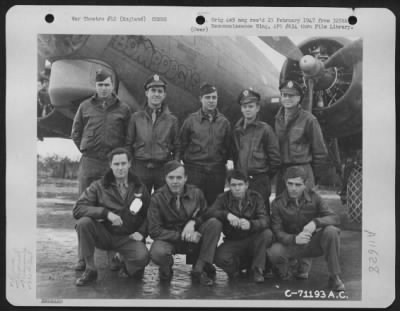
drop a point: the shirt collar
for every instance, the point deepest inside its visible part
(204, 116)
(158, 110)
(240, 123)
(281, 112)
(186, 193)
(244, 199)
(109, 101)
(124, 183)
(306, 196)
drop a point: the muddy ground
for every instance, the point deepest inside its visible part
(57, 255)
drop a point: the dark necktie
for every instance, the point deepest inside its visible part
(122, 190)
(154, 115)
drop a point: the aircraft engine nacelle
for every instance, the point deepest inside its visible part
(331, 73)
(73, 80)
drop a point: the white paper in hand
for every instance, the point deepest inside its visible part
(135, 205)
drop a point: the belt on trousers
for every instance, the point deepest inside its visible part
(284, 165)
(208, 169)
(150, 164)
(255, 176)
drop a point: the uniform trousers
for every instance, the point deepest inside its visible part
(90, 169)
(211, 181)
(152, 175)
(304, 263)
(261, 183)
(161, 252)
(230, 253)
(324, 242)
(94, 234)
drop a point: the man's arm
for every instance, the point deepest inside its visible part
(176, 151)
(127, 120)
(131, 134)
(77, 128)
(144, 228)
(218, 209)
(156, 229)
(318, 147)
(184, 137)
(262, 220)
(87, 205)
(228, 141)
(277, 227)
(271, 149)
(201, 210)
(325, 215)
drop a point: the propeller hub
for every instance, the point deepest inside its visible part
(311, 66)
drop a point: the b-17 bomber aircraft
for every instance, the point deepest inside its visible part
(329, 69)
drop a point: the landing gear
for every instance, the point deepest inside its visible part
(351, 193)
(354, 194)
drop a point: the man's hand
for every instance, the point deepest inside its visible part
(188, 231)
(195, 237)
(310, 227)
(114, 218)
(136, 236)
(233, 220)
(244, 224)
(229, 165)
(303, 238)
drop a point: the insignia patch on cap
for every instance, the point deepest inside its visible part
(290, 84)
(246, 93)
(156, 78)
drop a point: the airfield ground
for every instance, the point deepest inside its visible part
(57, 254)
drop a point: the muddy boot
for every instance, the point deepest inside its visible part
(114, 261)
(166, 273)
(202, 278)
(88, 277)
(80, 265)
(336, 284)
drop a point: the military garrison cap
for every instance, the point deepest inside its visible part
(248, 96)
(102, 74)
(154, 80)
(171, 166)
(291, 87)
(207, 88)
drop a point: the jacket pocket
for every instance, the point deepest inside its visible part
(161, 151)
(87, 140)
(138, 148)
(259, 159)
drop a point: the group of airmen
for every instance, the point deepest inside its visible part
(143, 175)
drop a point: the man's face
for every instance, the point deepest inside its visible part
(209, 102)
(104, 88)
(250, 110)
(155, 96)
(120, 166)
(295, 187)
(176, 180)
(238, 187)
(289, 100)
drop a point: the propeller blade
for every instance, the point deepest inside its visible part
(310, 94)
(347, 55)
(284, 46)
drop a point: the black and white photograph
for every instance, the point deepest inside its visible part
(170, 168)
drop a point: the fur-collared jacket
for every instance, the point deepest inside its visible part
(102, 196)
